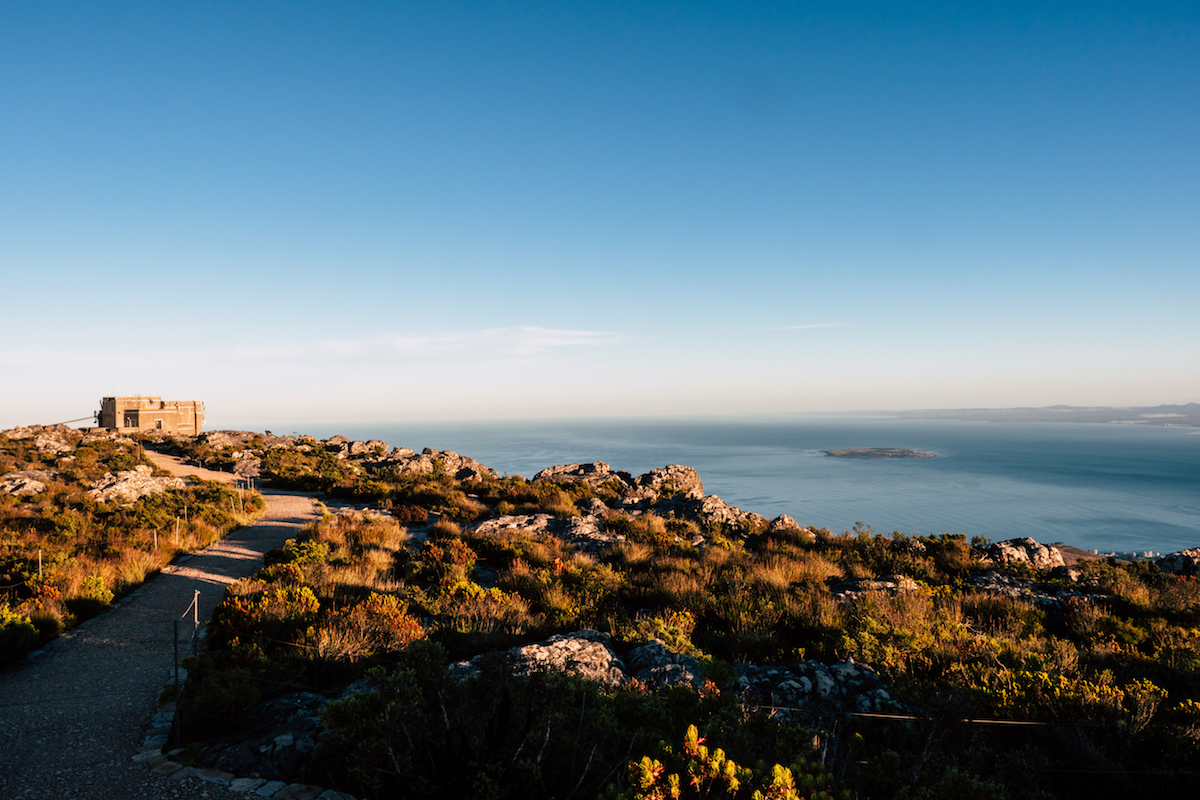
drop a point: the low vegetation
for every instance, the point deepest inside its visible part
(64, 556)
(1077, 684)
(1094, 694)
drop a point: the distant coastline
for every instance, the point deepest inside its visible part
(1169, 416)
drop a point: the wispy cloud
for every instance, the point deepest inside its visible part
(510, 342)
(490, 343)
(809, 325)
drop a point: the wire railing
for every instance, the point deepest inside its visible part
(190, 647)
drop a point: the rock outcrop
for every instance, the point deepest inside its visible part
(1026, 551)
(586, 532)
(586, 654)
(785, 524)
(48, 439)
(1045, 595)
(429, 461)
(598, 475)
(785, 691)
(671, 481)
(1184, 562)
(852, 590)
(290, 726)
(26, 482)
(707, 511)
(128, 485)
(810, 685)
(655, 665)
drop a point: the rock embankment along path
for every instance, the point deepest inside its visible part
(73, 715)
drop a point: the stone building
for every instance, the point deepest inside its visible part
(138, 414)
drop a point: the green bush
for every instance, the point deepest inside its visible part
(17, 635)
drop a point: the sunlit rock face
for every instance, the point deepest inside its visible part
(1026, 551)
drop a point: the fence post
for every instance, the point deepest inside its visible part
(178, 691)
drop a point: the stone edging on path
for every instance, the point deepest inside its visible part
(151, 754)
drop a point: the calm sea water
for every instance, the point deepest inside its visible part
(1108, 487)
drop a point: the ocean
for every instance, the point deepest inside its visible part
(1124, 488)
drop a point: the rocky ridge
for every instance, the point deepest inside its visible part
(129, 485)
(789, 690)
(24, 483)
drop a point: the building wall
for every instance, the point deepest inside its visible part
(136, 414)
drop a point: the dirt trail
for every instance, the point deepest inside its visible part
(177, 466)
(73, 716)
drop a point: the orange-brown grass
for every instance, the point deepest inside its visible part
(776, 573)
(488, 612)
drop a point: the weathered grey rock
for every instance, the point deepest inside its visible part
(585, 532)
(128, 485)
(1184, 562)
(656, 666)
(247, 784)
(25, 482)
(248, 467)
(785, 524)
(286, 729)
(707, 511)
(430, 460)
(671, 481)
(298, 791)
(593, 507)
(221, 439)
(1026, 551)
(586, 654)
(48, 439)
(908, 546)
(808, 686)
(375, 447)
(597, 475)
(853, 589)
(1047, 596)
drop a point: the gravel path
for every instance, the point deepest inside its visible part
(73, 716)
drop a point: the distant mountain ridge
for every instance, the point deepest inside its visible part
(1175, 416)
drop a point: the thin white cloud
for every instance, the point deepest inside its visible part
(522, 341)
(490, 343)
(809, 325)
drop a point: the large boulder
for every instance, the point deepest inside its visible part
(25, 483)
(1028, 552)
(429, 461)
(707, 511)
(787, 691)
(128, 485)
(671, 481)
(586, 532)
(586, 654)
(1184, 562)
(50, 440)
(597, 475)
(655, 665)
(277, 746)
(248, 467)
(785, 524)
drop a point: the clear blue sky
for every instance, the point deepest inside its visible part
(354, 211)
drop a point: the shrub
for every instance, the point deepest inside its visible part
(696, 772)
(17, 635)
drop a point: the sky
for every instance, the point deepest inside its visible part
(340, 212)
